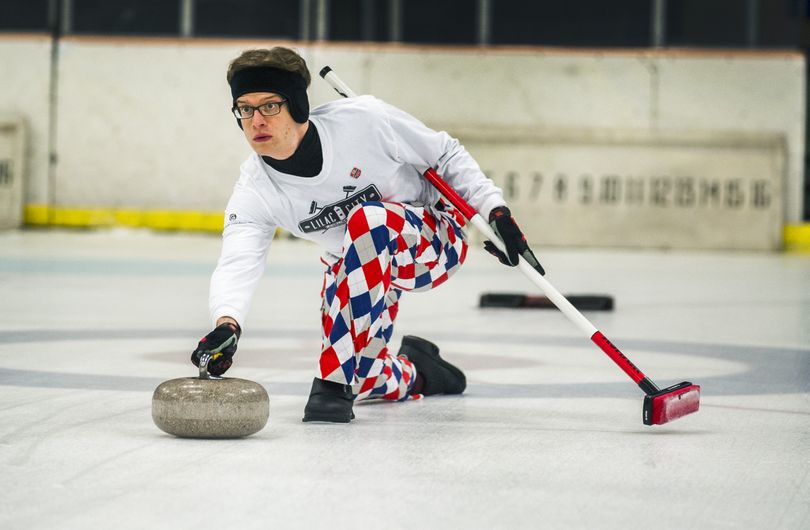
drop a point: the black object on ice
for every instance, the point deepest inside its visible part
(589, 302)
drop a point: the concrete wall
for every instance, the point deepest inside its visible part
(146, 126)
(24, 91)
(638, 189)
(145, 123)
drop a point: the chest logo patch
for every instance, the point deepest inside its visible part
(335, 214)
(355, 173)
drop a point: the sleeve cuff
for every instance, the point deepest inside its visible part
(490, 204)
(228, 312)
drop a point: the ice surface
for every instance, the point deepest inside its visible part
(548, 435)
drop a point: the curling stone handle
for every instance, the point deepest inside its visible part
(205, 358)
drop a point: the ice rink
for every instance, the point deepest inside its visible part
(548, 434)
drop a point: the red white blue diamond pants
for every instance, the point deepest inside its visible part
(388, 248)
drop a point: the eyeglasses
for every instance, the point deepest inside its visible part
(271, 108)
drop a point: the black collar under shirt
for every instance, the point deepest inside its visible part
(306, 161)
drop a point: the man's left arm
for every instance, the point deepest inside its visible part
(422, 147)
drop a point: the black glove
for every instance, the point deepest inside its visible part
(221, 343)
(505, 227)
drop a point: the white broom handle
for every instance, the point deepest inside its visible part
(478, 222)
(337, 83)
(550, 291)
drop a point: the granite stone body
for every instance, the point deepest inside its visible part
(192, 407)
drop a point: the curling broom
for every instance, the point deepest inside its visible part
(660, 406)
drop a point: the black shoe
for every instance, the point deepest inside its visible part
(434, 374)
(329, 401)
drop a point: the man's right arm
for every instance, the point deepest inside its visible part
(246, 240)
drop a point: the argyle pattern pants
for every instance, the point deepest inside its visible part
(388, 248)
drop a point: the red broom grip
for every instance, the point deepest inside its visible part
(451, 194)
(618, 357)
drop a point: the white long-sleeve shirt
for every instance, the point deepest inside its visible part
(371, 151)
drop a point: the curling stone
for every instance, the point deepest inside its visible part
(210, 406)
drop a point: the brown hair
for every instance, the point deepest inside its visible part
(278, 57)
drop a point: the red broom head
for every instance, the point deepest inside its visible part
(671, 403)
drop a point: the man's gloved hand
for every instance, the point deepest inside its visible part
(505, 226)
(221, 343)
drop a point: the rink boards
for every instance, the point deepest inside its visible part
(607, 188)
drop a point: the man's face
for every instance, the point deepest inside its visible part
(272, 136)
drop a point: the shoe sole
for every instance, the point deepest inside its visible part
(323, 419)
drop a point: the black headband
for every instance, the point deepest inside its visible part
(283, 82)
